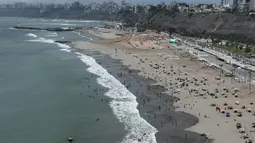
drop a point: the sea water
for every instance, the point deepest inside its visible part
(48, 91)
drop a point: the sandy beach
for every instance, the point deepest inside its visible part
(218, 101)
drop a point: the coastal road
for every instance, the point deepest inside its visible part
(239, 72)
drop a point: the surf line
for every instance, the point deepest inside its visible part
(64, 47)
(123, 104)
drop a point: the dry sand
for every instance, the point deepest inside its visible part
(101, 32)
(171, 68)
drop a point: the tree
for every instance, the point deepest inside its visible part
(183, 4)
(175, 9)
(76, 5)
(228, 10)
(140, 9)
(227, 44)
(234, 10)
(247, 50)
(191, 10)
(240, 47)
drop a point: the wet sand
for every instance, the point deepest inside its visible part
(199, 88)
(170, 124)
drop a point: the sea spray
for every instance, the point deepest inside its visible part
(43, 40)
(66, 50)
(123, 104)
(79, 33)
(31, 35)
(83, 36)
(50, 41)
(52, 34)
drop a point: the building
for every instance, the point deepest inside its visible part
(252, 5)
(123, 3)
(95, 6)
(20, 5)
(243, 6)
(146, 8)
(135, 9)
(221, 2)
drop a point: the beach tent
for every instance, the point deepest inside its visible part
(222, 111)
(172, 41)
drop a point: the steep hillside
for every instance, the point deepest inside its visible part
(211, 23)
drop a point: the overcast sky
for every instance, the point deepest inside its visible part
(89, 1)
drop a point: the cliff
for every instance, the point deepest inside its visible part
(219, 25)
(204, 24)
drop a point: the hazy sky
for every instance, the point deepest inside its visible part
(131, 1)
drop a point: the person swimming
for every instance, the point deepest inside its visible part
(70, 139)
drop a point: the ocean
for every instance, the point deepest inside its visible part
(48, 91)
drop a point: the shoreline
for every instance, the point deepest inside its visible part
(174, 123)
(171, 67)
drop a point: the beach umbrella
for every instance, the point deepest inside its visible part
(222, 111)
(245, 136)
(235, 110)
(240, 114)
(237, 102)
(253, 125)
(249, 110)
(241, 130)
(238, 125)
(228, 114)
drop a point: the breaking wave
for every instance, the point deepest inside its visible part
(31, 35)
(123, 104)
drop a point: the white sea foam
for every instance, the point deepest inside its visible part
(83, 36)
(54, 20)
(65, 28)
(79, 33)
(67, 24)
(83, 21)
(64, 46)
(123, 104)
(66, 50)
(52, 34)
(43, 40)
(31, 35)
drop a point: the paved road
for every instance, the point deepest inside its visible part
(239, 72)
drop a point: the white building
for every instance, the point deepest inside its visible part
(243, 5)
(252, 5)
